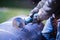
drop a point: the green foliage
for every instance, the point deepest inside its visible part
(11, 12)
(16, 3)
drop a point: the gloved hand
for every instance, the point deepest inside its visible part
(32, 14)
(28, 20)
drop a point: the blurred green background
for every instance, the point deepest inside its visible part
(11, 12)
(11, 8)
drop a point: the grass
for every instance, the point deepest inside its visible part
(7, 13)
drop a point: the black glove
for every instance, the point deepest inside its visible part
(32, 14)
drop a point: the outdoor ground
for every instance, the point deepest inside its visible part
(7, 13)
